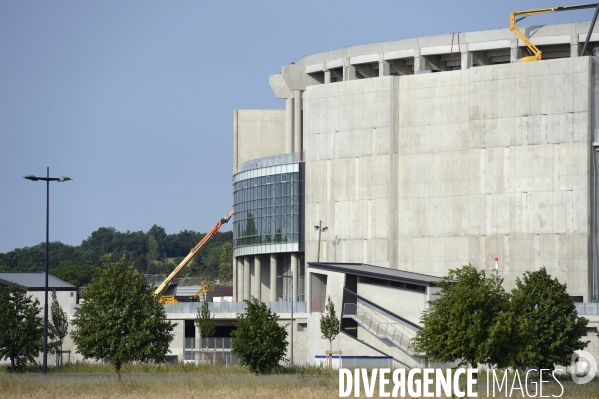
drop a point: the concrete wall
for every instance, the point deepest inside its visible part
(257, 134)
(429, 172)
(176, 346)
(66, 300)
(405, 303)
(346, 139)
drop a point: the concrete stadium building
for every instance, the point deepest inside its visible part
(418, 156)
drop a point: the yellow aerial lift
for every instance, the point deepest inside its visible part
(207, 286)
(536, 53)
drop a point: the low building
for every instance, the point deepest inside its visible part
(66, 294)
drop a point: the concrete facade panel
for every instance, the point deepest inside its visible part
(491, 162)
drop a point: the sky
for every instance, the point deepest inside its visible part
(134, 100)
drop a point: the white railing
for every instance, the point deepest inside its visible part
(218, 350)
(380, 329)
(587, 309)
(232, 307)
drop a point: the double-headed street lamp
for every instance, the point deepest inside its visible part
(47, 179)
(320, 230)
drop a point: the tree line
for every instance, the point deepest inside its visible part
(151, 252)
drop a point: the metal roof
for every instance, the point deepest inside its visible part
(35, 281)
(361, 269)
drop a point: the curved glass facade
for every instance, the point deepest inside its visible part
(268, 205)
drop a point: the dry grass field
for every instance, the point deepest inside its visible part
(203, 382)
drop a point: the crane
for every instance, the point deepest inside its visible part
(164, 285)
(536, 53)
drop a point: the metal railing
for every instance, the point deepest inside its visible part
(587, 309)
(219, 350)
(379, 329)
(232, 307)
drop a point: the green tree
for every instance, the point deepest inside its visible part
(21, 334)
(204, 322)
(120, 320)
(547, 328)
(329, 323)
(458, 324)
(76, 274)
(58, 328)
(225, 262)
(260, 341)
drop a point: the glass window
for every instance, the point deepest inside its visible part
(266, 207)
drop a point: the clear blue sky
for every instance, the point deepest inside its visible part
(134, 99)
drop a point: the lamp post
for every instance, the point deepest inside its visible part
(291, 277)
(47, 179)
(320, 229)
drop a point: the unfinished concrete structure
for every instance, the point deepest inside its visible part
(422, 155)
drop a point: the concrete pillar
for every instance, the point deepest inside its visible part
(235, 141)
(297, 121)
(257, 277)
(294, 271)
(574, 46)
(350, 73)
(466, 60)
(273, 277)
(240, 279)
(234, 279)
(327, 76)
(246, 278)
(289, 125)
(419, 61)
(384, 68)
(515, 52)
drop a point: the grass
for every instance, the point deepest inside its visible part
(188, 381)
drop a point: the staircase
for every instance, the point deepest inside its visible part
(382, 330)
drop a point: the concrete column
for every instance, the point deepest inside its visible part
(234, 279)
(273, 277)
(327, 76)
(235, 141)
(295, 272)
(574, 46)
(351, 73)
(384, 68)
(466, 60)
(289, 125)
(257, 277)
(419, 61)
(515, 52)
(240, 279)
(297, 121)
(246, 278)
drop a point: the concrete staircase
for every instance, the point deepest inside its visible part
(380, 327)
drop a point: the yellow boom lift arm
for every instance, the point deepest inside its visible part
(158, 292)
(536, 53)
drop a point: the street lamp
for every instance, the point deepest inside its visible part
(320, 230)
(291, 277)
(47, 179)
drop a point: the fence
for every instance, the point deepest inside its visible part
(219, 350)
(232, 307)
(587, 309)
(353, 362)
